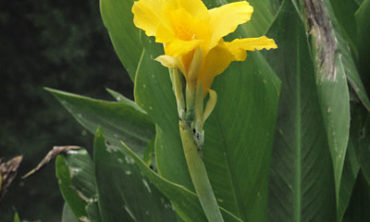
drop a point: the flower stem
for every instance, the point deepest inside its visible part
(198, 174)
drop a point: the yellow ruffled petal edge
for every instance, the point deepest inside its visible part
(238, 47)
(225, 19)
(147, 15)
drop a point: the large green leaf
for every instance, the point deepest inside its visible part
(159, 103)
(363, 43)
(358, 209)
(121, 121)
(357, 142)
(344, 11)
(185, 202)
(239, 137)
(302, 182)
(360, 134)
(75, 173)
(124, 194)
(118, 19)
(333, 63)
(350, 172)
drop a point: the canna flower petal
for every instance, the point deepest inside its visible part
(225, 19)
(148, 15)
(187, 26)
(215, 63)
(238, 47)
(195, 7)
(180, 47)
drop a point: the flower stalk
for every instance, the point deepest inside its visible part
(198, 174)
(191, 121)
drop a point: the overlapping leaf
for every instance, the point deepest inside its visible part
(302, 183)
(185, 202)
(124, 194)
(118, 20)
(75, 173)
(121, 120)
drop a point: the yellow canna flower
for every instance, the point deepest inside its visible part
(192, 36)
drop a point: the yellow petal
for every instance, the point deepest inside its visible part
(178, 47)
(194, 7)
(148, 15)
(225, 19)
(215, 62)
(238, 47)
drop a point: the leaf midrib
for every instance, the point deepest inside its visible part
(298, 163)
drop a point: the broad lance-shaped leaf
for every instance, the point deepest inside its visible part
(185, 202)
(331, 56)
(344, 11)
(124, 194)
(159, 103)
(351, 165)
(349, 35)
(120, 121)
(118, 20)
(363, 43)
(75, 173)
(360, 135)
(358, 209)
(302, 181)
(239, 137)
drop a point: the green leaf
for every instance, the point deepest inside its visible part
(238, 166)
(124, 194)
(344, 12)
(122, 99)
(301, 185)
(351, 166)
(333, 62)
(185, 202)
(67, 215)
(121, 121)
(360, 132)
(363, 43)
(75, 173)
(159, 103)
(118, 19)
(358, 209)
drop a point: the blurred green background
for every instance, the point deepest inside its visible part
(58, 44)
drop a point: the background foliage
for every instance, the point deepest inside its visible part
(60, 44)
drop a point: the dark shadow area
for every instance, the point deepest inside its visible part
(58, 44)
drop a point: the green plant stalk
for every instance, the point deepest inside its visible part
(198, 174)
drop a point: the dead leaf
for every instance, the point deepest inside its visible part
(8, 171)
(51, 155)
